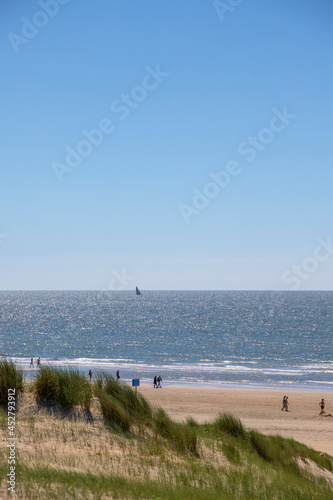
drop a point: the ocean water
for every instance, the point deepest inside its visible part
(252, 339)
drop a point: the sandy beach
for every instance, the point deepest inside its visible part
(258, 409)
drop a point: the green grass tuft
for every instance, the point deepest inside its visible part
(113, 411)
(122, 407)
(134, 403)
(182, 436)
(161, 462)
(230, 425)
(10, 378)
(66, 387)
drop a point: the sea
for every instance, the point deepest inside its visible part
(268, 339)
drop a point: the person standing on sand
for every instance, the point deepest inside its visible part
(155, 382)
(38, 362)
(322, 407)
(31, 363)
(90, 375)
(159, 380)
(117, 375)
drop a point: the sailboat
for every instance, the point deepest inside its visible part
(138, 291)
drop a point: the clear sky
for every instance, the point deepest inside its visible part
(166, 144)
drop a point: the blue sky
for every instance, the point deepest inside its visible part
(177, 90)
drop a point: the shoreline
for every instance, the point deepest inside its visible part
(183, 383)
(236, 386)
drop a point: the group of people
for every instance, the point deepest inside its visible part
(285, 405)
(32, 363)
(90, 373)
(157, 382)
(157, 379)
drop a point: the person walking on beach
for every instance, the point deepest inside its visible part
(31, 363)
(285, 403)
(322, 407)
(90, 375)
(159, 380)
(38, 362)
(155, 382)
(117, 375)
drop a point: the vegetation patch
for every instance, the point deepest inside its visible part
(134, 404)
(66, 387)
(182, 436)
(230, 425)
(10, 378)
(129, 450)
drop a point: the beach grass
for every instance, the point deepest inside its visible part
(113, 411)
(125, 449)
(65, 387)
(134, 404)
(230, 425)
(61, 458)
(10, 378)
(180, 435)
(275, 450)
(123, 408)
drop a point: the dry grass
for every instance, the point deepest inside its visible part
(80, 440)
(72, 454)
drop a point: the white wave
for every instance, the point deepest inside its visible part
(177, 367)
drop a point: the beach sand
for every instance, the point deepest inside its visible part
(258, 409)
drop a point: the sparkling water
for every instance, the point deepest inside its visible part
(261, 339)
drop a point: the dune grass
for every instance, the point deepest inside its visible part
(134, 404)
(123, 408)
(181, 436)
(10, 378)
(65, 387)
(142, 453)
(230, 425)
(274, 450)
(113, 411)
(89, 461)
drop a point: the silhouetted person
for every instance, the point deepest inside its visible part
(285, 403)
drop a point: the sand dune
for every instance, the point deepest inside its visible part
(258, 409)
